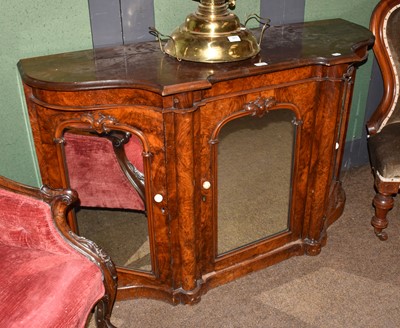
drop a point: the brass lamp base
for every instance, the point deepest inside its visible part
(212, 35)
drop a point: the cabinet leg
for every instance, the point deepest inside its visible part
(313, 247)
(383, 204)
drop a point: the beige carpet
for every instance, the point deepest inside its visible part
(354, 282)
(339, 299)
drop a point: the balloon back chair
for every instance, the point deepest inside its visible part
(49, 276)
(384, 125)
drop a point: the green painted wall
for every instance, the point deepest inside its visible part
(31, 28)
(357, 11)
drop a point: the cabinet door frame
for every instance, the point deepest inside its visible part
(101, 125)
(257, 109)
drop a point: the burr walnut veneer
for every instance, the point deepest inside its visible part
(176, 111)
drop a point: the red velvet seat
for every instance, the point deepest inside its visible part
(94, 172)
(49, 277)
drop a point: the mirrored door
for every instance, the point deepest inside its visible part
(108, 170)
(254, 175)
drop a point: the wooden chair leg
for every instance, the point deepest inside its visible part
(383, 203)
(103, 314)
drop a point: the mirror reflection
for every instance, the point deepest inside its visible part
(107, 172)
(255, 158)
(123, 234)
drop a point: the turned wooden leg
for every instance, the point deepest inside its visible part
(383, 204)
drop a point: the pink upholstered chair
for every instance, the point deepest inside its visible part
(49, 277)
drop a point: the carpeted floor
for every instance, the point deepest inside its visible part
(354, 282)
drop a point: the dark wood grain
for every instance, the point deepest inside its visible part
(179, 108)
(143, 66)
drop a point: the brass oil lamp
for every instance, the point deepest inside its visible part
(212, 34)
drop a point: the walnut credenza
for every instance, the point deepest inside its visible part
(177, 111)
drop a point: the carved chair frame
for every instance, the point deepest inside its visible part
(60, 201)
(385, 188)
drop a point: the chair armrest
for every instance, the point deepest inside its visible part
(36, 218)
(26, 216)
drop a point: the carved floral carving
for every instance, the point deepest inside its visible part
(99, 122)
(93, 247)
(260, 106)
